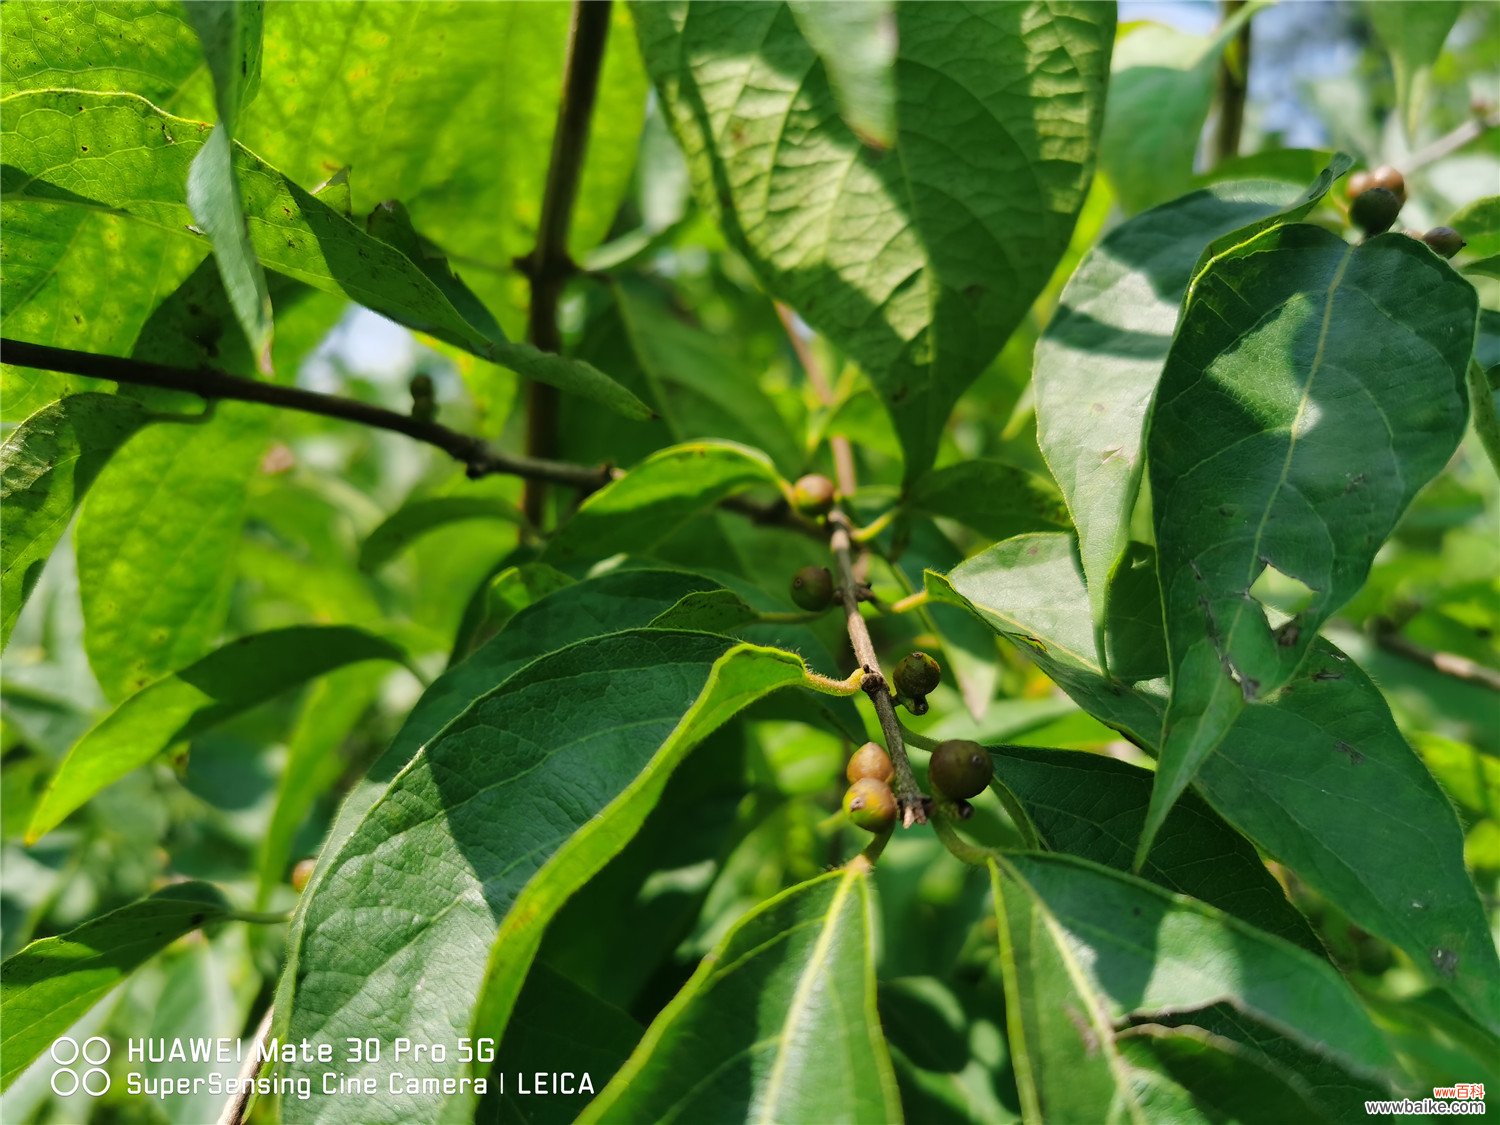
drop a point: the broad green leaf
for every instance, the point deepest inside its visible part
(995, 498)
(856, 43)
(232, 679)
(1160, 88)
(1312, 389)
(704, 383)
(509, 592)
(47, 465)
(230, 31)
(1092, 806)
(417, 517)
(411, 97)
(54, 981)
(1098, 362)
(1210, 1078)
(778, 1024)
(489, 829)
(1479, 223)
(655, 498)
(119, 153)
(1083, 948)
(1319, 778)
(1413, 33)
(1029, 589)
(545, 1036)
(921, 260)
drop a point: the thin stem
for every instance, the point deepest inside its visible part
(1448, 663)
(971, 854)
(838, 444)
(477, 455)
(908, 793)
(548, 266)
(239, 1103)
(1234, 79)
(1451, 142)
(877, 845)
(920, 741)
(875, 526)
(911, 602)
(259, 917)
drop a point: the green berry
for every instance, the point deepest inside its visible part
(813, 495)
(869, 761)
(1393, 181)
(1375, 210)
(812, 588)
(959, 769)
(1445, 240)
(870, 804)
(916, 675)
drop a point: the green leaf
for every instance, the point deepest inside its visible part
(1319, 778)
(1160, 88)
(1098, 362)
(119, 153)
(1479, 223)
(655, 498)
(995, 498)
(230, 31)
(47, 465)
(921, 260)
(1083, 948)
(52, 982)
(492, 825)
(232, 679)
(461, 141)
(1413, 33)
(1312, 389)
(703, 382)
(1092, 806)
(417, 517)
(778, 1023)
(856, 43)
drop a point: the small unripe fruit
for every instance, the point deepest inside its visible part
(812, 588)
(870, 760)
(1375, 210)
(1358, 184)
(870, 804)
(813, 495)
(916, 675)
(1445, 240)
(959, 769)
(1393, 181)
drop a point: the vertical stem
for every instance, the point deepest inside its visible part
(1234, 79)
(843, 452)
(548, 266)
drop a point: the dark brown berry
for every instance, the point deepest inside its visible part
(870, 804)
(1445, 240)
(812, 588)
(870, 760)
(916, 675)
(1393, 181)
(1375, 210)
(813, 495)
(959, 769)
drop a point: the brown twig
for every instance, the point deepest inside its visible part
(1449, 143)
(548, 266)
(838, 444)
(908, 795)
(239, 1103)
(1448, 663)
(1234, 79)
(478, 456)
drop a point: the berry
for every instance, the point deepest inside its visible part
(1445, 240)
(959, 769)
(869, 761)
(1358, 184)
(1375, 210)
(813, 495)
(916, 675)
(870, 804)
(812, 588)
(1393, 181)
(302, 873)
